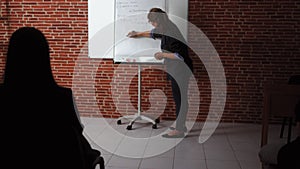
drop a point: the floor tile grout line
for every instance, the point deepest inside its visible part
(227, 133)
(229, 142)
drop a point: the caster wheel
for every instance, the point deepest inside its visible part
(119, 122)
(154, 126)
(157, 120)
(129, 127)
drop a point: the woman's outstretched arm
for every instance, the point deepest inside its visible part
(135, 34)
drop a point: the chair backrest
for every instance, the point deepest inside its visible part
(279, 100)
(295, 80)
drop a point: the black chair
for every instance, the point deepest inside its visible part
(99, 161)
(93, 157)
(293, 80)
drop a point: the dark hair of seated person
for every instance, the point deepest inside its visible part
(40, 127)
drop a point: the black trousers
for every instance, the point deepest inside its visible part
(180, 96)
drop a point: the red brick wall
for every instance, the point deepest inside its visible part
(257, 41)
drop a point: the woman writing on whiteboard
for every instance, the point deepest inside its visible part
(179, 65)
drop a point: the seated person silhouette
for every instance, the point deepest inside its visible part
(289, 155)
(40, 127)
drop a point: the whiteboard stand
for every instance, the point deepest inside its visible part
(138, 116)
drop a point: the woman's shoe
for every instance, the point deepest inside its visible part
(173, 128)
(174, 134)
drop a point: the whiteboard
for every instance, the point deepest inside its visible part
(132, 15)
(100, 28)
(103, 23)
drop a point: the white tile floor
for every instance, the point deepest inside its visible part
(231, 146)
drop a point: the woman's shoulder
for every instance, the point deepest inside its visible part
(174, 32)
(64, 90)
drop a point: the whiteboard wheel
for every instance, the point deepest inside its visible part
(119, 122)
(129, 127)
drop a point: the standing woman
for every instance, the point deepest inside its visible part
(179, 65)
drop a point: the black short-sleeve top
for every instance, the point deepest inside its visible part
(172, 41)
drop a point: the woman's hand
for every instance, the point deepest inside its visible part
(132, 34)
(159, 55)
